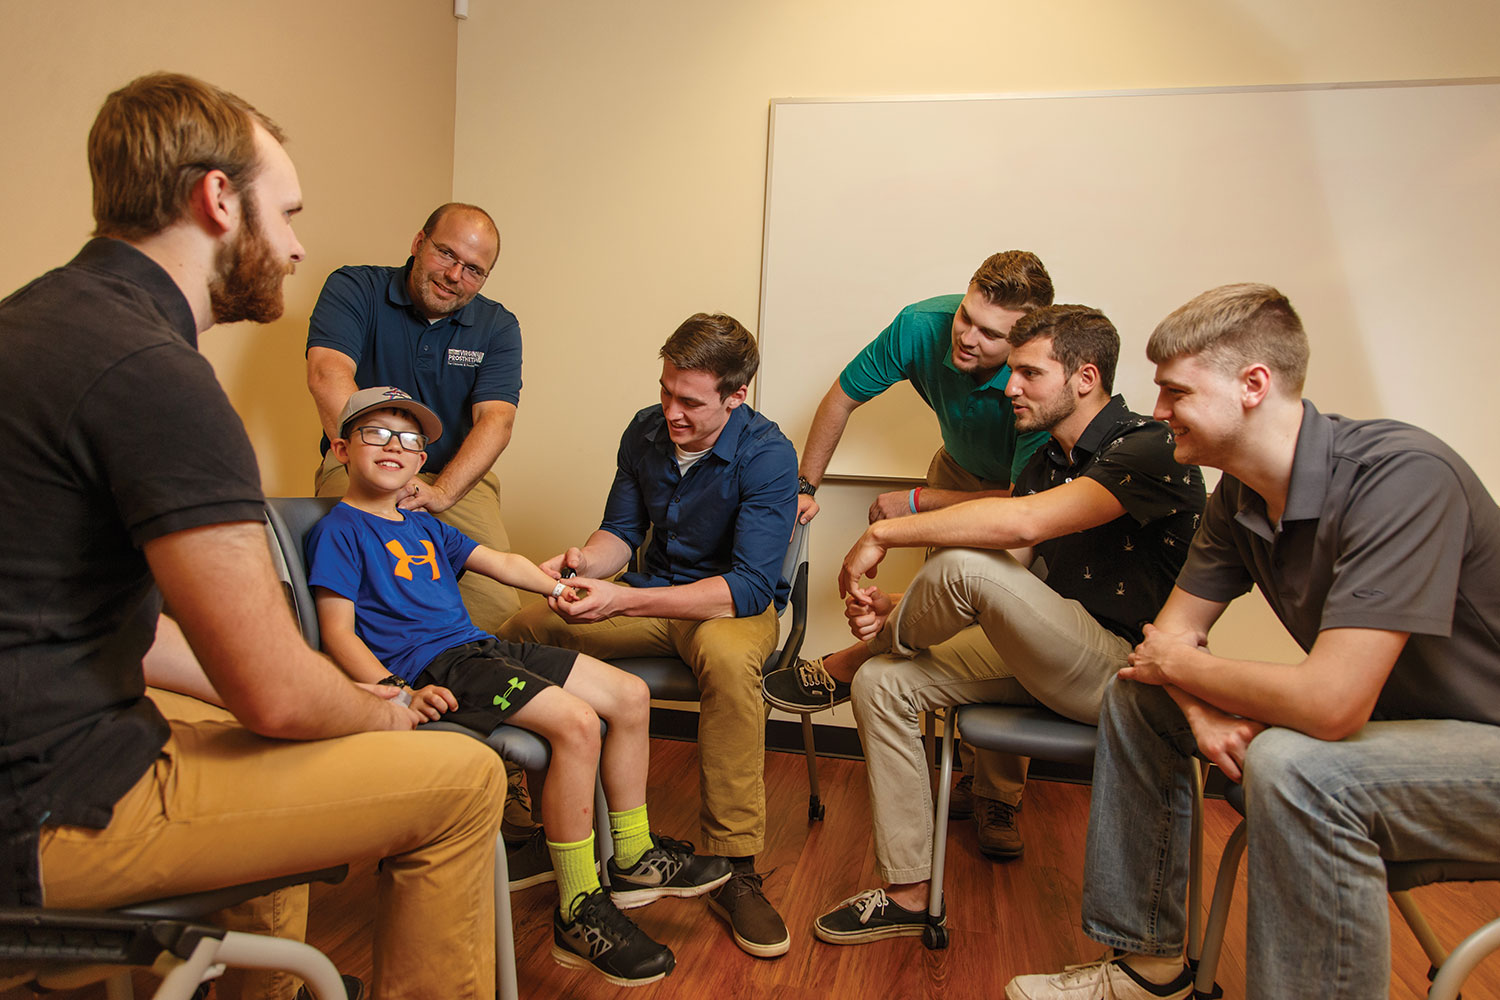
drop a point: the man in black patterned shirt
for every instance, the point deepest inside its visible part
(1038, 597)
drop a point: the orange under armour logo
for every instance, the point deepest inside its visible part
(404, 562)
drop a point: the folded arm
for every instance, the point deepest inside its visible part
(1329, 695)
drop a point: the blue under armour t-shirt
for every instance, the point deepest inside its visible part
(400, 576)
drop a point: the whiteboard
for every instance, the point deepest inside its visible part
(1374, 207)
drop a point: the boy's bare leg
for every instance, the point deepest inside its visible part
(624, 702)
(572, 727)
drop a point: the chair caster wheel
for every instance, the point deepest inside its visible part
(935, 937)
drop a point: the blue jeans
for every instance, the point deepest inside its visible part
(1323, 816)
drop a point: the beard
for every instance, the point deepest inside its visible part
(247, 275)
(1045, 417)
(428, 301)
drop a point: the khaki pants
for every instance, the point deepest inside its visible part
(221, 806)
(477, 515)
(974, 627)
(1000, 776)
(727, 656)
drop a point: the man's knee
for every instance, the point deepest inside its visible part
(730, 659)
(878, 691)
(1284, 766)
(463, 761)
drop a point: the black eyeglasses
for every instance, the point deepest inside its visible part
(449, 258)
(381, 436)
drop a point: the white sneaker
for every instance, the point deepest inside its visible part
(1108, 979)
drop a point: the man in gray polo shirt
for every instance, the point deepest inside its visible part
(1378, 548)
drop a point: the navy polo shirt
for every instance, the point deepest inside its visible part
(730, 516)
(471, 356)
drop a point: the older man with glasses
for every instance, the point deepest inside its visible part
(425, 327)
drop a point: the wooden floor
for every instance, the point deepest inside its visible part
(1004, 919)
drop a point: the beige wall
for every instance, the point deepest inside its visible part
(622, 149)
(365, 89)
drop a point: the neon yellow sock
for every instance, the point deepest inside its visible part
(632, 833)
(576, 875)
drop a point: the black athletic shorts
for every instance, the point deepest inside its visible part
(492, 678)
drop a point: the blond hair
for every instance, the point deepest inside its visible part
(1233, 326)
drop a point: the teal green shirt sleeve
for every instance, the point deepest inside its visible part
(884, 361)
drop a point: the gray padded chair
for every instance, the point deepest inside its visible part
(289, 519)
(670, 679)
(1449, 969)
(50, 949)
(1033, 731)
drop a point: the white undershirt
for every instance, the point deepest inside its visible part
(685, 459)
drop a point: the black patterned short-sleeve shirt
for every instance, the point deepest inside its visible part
(1121, 571)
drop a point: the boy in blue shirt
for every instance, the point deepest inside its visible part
(389, 611)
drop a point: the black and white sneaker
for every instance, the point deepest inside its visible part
(604, 939)
(804, 687)
(669, 868)
(870, 916)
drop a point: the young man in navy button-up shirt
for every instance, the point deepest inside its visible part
(715, 484)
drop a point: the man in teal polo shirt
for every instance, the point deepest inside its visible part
(952, 349)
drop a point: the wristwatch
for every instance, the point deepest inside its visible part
(393, 681)
(805, 487)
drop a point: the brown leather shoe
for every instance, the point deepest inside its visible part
(758, 928)
(999, 834)
(516, 824)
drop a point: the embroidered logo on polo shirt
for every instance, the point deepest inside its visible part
(464, 359)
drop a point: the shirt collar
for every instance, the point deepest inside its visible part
(399, 295)
(725, 447)
(1093, 435)
(125, 261)
(995, 381)
(1312, 466)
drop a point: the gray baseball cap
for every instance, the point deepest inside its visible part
(388, 397)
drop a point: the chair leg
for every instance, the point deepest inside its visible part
(256, 951)
(815, 809)
(1421, 930)
(1218, 915)
(505, 942)
(934, 935)
(1461, 962)
(1195, 872)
